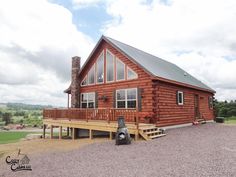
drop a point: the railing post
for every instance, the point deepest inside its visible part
(137, 118)
(109, 114)
(86, 115)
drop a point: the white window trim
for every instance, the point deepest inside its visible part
(114, 60)
(87, 102)
(182, 97)
(96, 68)
(116, 69)
(128, 68)
(210, 102)
(93, 75)
(126, 100)
(85, 78)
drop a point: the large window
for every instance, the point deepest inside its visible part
(110, 67)
(88, 100)
(126, 98)
(91, 75)
(120, 70)
(100, 68)
(131, 74)
(180, 98)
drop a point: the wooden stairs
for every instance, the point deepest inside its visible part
(150, 132)
(199, 121)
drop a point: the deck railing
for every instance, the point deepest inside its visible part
(106, 114)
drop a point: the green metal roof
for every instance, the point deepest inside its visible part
(156, 66)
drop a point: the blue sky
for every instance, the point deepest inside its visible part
(89, 19)
(38, 39)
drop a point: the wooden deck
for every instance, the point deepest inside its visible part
(94, 120)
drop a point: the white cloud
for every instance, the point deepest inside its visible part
(86, 3)
(196, 35)
(37, 42)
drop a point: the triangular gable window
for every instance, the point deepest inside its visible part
(91, 74)
(100, 68)
(84, 82)
(131, 74)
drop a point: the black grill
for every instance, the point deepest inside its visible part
(122, 134)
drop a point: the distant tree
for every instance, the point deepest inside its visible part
(6, 117)
(19, 113)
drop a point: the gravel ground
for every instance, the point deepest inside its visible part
(204, 150)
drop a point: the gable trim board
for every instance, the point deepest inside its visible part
(157, 68)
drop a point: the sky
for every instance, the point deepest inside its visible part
(38, 39)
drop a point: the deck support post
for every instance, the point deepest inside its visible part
(51, 133)
(68, 132)
(73, 133)
(110, 135)
(44, 131)
(60, 132)
(136, 136)
(90, 134)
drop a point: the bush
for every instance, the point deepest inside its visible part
(220, 119)
(2, 124)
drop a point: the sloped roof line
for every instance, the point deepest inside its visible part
(157, 66)
(153, 65)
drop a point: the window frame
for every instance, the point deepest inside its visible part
(93, 67)
(128, 68)
(87, 100)
(96, 68)
(126, 98)
(85, 78)
(210, 102)
(123, 69)
(114, 60)
(182, 98)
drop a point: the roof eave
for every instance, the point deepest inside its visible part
(68, 90)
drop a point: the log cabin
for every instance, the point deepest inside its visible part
(120, 80)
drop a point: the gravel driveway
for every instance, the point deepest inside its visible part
(204, 150)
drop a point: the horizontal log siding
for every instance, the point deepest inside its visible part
(144, 81)
(169, 113)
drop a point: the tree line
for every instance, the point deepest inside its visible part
(225, 108)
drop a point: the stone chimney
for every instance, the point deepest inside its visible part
(75, 82)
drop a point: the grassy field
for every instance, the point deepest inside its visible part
(11, 137)
(230, 120)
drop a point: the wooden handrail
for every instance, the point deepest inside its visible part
(107, 114)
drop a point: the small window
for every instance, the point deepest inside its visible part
(110, 67)
(88, 100)
(91, 75)
(120, 70)
(210, 102)
(126, 98)
(100, 68)
(120, 98)
(131, 74)
(180, 98)
(84, 82)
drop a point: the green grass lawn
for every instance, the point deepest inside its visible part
(230, 120)
(11, 137)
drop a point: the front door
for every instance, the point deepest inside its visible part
(196, 106)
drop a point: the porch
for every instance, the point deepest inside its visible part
(97, 119)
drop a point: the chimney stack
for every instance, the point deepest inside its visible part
(75, 82)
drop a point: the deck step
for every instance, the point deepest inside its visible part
(153, 132)
(201, 121)
(157, 136)
(150, 132)
(147, 127)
